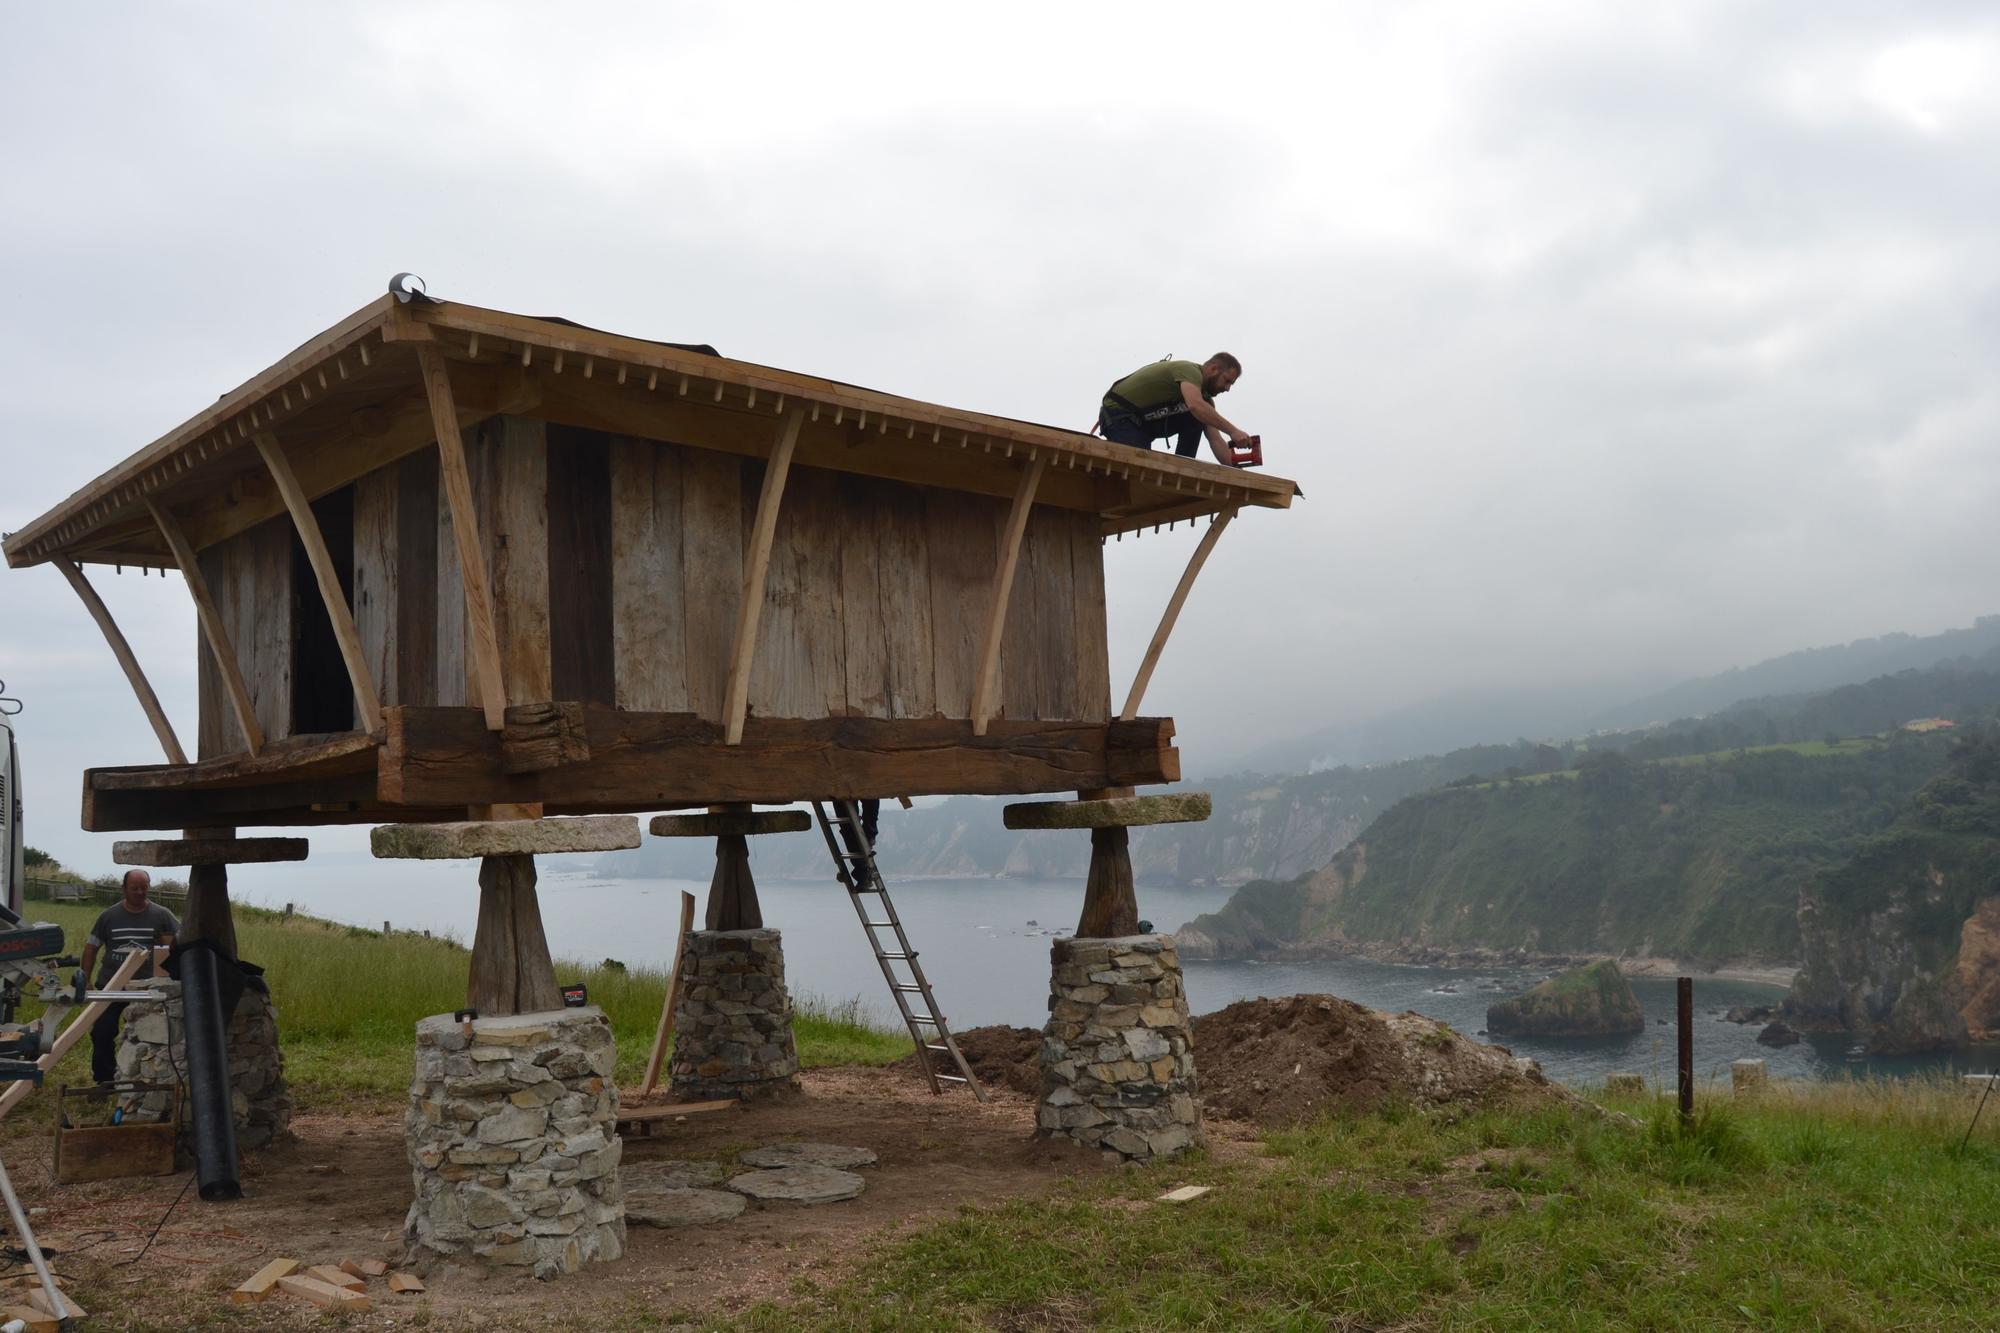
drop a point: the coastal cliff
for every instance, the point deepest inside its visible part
(1902, 943)
(1701, 860)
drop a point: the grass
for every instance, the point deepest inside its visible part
(348, 998)
(1842, 1206)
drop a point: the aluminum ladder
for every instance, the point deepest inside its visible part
(863, 882)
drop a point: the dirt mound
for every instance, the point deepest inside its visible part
(1001, 1056)
(1279, 1062)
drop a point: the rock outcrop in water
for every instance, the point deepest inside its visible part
(1594, 1000)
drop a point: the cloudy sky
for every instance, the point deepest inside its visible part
(1611, 342)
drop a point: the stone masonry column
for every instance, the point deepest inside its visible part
(1117, 1055)
(512, 1128)
(152, 1048)
(513, 1141)
(733, 1027)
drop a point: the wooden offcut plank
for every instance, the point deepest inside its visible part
(323, 1294)
(257, 1287)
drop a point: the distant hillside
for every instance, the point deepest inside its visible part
(1697, 859)
(1807, 671)
(1473, 717)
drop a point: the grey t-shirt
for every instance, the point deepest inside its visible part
(117, 931)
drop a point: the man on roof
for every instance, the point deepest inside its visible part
(1176, 400)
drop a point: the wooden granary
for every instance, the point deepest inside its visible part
(636, 575)
(495, 582)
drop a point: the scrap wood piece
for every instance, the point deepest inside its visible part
(352, 1267)
(32, 1317)
(1184, 1193)
(40, 1300)
(373, 1268)
(259, 1285)
(401, 1282)
(323, 1294)
(334, 1277)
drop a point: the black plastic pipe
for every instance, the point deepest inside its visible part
(209, 1093)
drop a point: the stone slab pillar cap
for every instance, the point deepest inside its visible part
(1187, 807)
(507, 837)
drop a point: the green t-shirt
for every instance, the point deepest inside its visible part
(1158, 385)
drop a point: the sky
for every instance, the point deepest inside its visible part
(1609, 342)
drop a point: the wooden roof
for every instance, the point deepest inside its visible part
(351, 399)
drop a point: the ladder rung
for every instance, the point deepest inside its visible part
(879, 925)
(899, 957)
(934, 1046)
(926, 1018)
(908, 988)
(954, 1078)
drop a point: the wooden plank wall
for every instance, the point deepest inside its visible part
(875, 601)
(250, 577)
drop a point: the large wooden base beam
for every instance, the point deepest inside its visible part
(511, 969)
(437, 762)
(438, 756)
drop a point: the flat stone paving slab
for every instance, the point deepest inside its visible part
(681, 1207)
(808, 1154)
(799, 1184)
(669, 1174)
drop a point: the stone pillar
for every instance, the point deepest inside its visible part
(733, 1027)
(513, 1142)
(153, 1049)
(1117, 1054)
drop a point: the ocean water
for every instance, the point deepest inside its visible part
(985, 945)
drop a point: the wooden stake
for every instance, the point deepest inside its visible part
(1003, 588)
(366, 701)
(751, 608)
(666, 1029)
(211, 627)
(465, 531)
(1159, 643)
(148, 701)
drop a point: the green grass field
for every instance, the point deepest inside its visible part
(1822, 1207)
(348, 999)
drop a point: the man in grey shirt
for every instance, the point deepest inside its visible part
(135, 923)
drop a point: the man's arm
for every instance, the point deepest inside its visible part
(1204, 412)
(89, 957)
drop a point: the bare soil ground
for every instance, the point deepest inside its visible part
(1274, 1063)
(341, 1190)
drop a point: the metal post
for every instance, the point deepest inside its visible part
(209, 1087)
(1685, 996)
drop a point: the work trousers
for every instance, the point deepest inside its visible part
(1179, 426)
(104, 1043)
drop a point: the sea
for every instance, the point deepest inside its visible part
(985, 944)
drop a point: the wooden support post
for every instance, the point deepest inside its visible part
(1173, 612)
(1684, 1042)
(148, 701)
(1110, 903)
(732, 893)
(208, 916)
(751, 608)
(457, 482)
(211, 626)
(666, 1029)
(511, 969)
(1003, 588)
(367, 702)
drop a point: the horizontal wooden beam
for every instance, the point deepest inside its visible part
(207, 851)
(432, 756)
